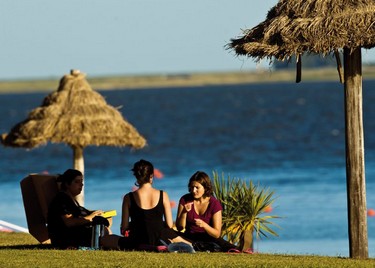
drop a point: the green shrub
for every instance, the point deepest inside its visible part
(244, 208)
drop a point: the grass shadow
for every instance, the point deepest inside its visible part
(37, 246)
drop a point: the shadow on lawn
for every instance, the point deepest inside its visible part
(38, 246)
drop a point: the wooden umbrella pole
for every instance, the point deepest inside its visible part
(79, 165)
(355, 167)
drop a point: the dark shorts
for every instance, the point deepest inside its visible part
(206, 238)
(133, 242)
(73, 237)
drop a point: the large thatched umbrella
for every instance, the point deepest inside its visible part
(326, 27)
(75, 115)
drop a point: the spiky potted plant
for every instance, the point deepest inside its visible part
(244, 210)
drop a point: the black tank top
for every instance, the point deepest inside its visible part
(146, 224)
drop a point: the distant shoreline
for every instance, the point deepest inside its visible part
(182, 80)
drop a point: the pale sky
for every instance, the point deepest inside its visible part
(48, 38)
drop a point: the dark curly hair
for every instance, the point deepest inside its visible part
(203, 179)
(68, 176)
(143, 172)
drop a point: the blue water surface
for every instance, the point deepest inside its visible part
(287, 137)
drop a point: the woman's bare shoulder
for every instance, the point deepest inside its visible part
(165, 194)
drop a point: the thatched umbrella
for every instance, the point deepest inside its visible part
(326, 27)
(75, 115)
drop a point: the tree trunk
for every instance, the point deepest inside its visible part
(355, 167)
(247, 240)
(79, 165)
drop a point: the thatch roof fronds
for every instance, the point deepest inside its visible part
(312, 26)
(75, 115)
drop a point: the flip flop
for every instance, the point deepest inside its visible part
(234, 250)
(153, 248)
(248, 251)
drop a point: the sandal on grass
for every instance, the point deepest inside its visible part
(233, 250)
(248, 251)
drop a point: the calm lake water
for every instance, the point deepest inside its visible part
(287, 137)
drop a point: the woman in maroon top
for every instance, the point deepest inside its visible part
(200, 213)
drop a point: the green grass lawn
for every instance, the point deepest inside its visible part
(22, 250)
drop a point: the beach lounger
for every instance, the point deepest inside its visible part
(38, 190)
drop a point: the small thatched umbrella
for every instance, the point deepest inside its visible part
(75, 115)
(326, 27)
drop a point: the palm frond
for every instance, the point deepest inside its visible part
(244, 207)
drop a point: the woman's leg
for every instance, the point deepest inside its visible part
(180, 239)
(224, 245)
(170, 236)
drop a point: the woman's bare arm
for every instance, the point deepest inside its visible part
(167, 210)
(215, 229)
(71, 221)
(125, 214)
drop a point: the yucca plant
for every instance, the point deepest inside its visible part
(244, 209)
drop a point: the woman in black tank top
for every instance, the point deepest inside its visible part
(146, 213)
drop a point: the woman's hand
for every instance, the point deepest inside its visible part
(200, 223)
(94, 214)
(70, 221)
(215, 229)
(188, 206)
